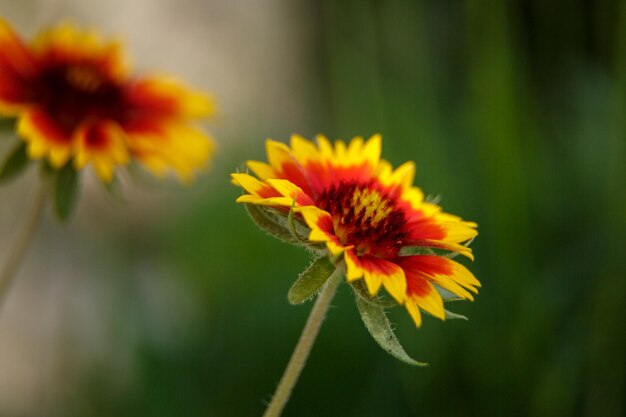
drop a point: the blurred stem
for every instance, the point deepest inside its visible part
(20, 246)
(305, 343)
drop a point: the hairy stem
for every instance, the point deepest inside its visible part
(305, 343)
(20, 246)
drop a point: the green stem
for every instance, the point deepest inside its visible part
(25, 236)
(305, 343)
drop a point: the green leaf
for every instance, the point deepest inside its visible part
(379, 327)
(360, 289)
(310, 281)
(273, 223)
(65, 191)
(15, 163)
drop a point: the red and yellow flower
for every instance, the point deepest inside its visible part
(74, 100)
(367, 213)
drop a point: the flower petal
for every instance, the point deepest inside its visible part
(174, 146)
(254, 186)
(166, 96)
(262, 170)
(372, 150)
(414, 311)
(322, 229)
(444, 272)
(288, 189)
(104, 144)
(376, 271)
(303, 150)
(429, 300)
(66, 43)
(278, 154)
(44, 136)
(15, 58)
(326, 150)
(403, 176)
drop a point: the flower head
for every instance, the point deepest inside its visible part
(75, 101)
(370, 215)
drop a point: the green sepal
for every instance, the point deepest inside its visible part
(15, 163)
(65, 191)
(310, 281)
(47, 170)
(415, 250)
(291, 223)
(446, 295)
(360, 289)
(378, 325)
(433, 198)
(454, 316)
(424, 250)
(449, 315)
(452, 255)
(274, 223)
(7, 124)
(114, 189)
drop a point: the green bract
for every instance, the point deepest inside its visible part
(65, 191)
(310, 281)
(286, 226)
(15, 163)
(379, 327)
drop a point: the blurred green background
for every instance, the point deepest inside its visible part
(514, 111)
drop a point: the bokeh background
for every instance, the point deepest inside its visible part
(173, 304)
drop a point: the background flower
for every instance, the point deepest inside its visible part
(74, 100)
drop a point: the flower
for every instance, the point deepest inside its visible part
(74, 100)
(370, 215)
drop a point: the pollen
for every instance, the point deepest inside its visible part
(371, 205)
(364, 217)
(84, 78)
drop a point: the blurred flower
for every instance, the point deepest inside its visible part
(370, 215)
(74, 100)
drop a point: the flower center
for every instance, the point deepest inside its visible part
(365, 217)
(84, 78)
(74, 92)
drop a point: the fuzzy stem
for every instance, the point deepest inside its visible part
(305, 343)
(20, 246)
